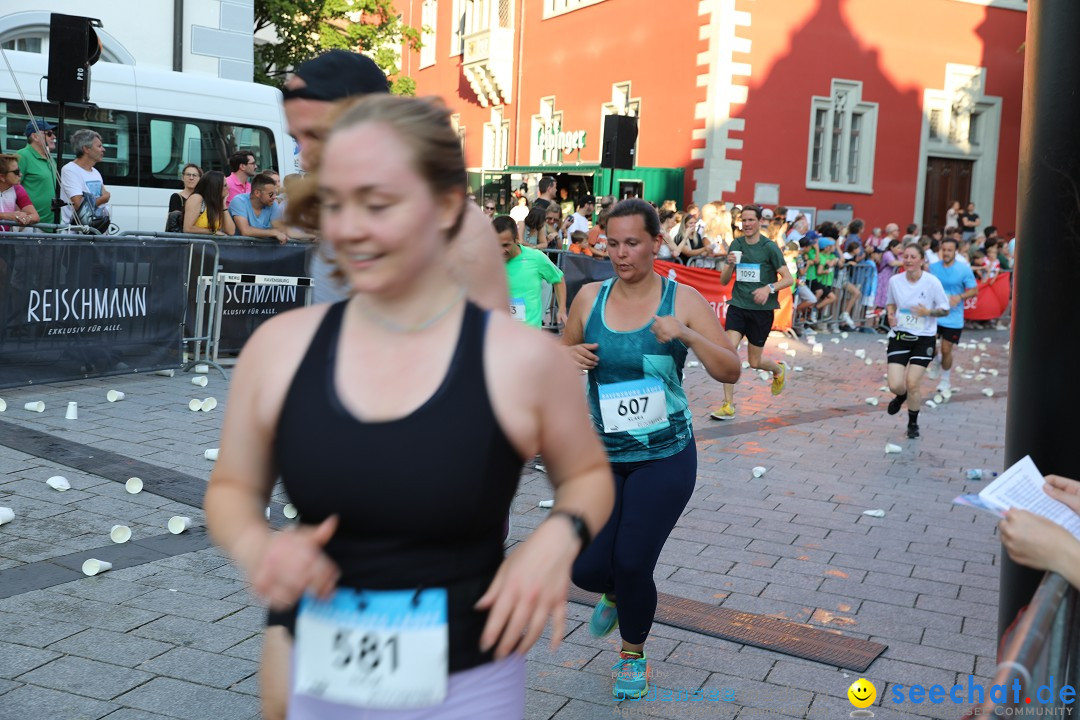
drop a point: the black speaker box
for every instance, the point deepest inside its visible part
(620, 136)
(73, 47)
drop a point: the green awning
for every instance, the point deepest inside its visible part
(547, 169)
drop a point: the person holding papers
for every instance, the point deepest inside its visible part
(1041, 543)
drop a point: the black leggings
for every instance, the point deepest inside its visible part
(649, 498)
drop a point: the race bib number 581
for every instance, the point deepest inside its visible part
(374, 649)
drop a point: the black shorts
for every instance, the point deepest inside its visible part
(950, 334)
(754, 325)
(905, 348)
(826, 290)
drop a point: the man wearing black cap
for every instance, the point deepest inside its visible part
(37, 173)
(475, 255)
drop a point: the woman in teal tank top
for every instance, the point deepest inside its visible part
(631, 334)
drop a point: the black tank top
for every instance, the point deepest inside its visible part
(421, 499)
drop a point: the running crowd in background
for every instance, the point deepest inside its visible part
(841, 271)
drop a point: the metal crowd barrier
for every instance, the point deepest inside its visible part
(1042, 650)
(50, 228)
(855, 288)
(191, 345)
(219, 280)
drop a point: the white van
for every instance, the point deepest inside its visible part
(152, 123)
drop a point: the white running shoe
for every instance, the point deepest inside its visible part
(845, 318)
(944, 386)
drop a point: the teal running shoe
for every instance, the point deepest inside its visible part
(631, 676)
(604, 618)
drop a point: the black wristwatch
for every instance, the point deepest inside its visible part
(580, 527)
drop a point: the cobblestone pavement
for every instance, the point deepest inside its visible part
(171, 631)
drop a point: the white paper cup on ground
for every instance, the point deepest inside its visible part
(871, 401)
(6, 515)
(546, 504)
(930, 404)
(3, 405)
(736, 255)
(869, 361)
(165, 373)
(789, 353)
(72, 411)
(58, 482)
(758, 471)
(199, 380)
(36, 406)
(993, 372)
(874, 513)
(891, 449)
(133, 486)
(797, 368)
(988, 392)
(208, 404)
(114, 396)
(860, 353)
(210, 454)
(745, 365)
(818, 348)
(194, 405)
(202, 369)
(178, 524)
(93, 566)
(844, 334)
(783, 346)
(834, 341)
(290, 511)
(120, 534)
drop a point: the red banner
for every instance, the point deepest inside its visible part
(707, 282)
(991, 300)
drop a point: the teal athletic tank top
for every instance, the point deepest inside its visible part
(636, 397)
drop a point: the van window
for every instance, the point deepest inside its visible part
(116, 127)
(173, 142)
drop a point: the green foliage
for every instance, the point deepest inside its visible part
(307, 27)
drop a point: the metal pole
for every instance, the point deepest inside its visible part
(1045, 339)
(60, 140)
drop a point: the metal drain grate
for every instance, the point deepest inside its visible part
(781, 636)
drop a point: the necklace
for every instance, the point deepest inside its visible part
(396, 327)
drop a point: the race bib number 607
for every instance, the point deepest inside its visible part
(633, 405)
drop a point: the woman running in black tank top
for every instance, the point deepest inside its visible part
(398, 423)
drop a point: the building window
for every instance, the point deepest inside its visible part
(457, 28)
(428, 15)
(843, 129)
(973, 128)
(553, 8)
(935, 124)
(23, 44)
(496, 140)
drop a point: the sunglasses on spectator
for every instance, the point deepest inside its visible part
(489, 208)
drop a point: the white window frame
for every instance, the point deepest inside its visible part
(429, 16)
(554, 8)
(458, 30)
(496, 140)
(1019, 5)
(844, 102)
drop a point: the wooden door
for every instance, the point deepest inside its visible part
(947, 179)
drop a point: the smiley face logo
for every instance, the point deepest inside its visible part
(862, 693)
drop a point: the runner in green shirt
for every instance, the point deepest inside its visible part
(37, 175)
(526, 270)
(760, 272)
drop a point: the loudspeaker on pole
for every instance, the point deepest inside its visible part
(73, 47)
(620, 137)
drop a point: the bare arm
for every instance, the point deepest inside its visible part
(581, 353)
(192, 210)
(243, 227)
(706, 337)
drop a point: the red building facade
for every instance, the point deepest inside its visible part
(891, 108)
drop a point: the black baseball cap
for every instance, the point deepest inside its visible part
(338, 74)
